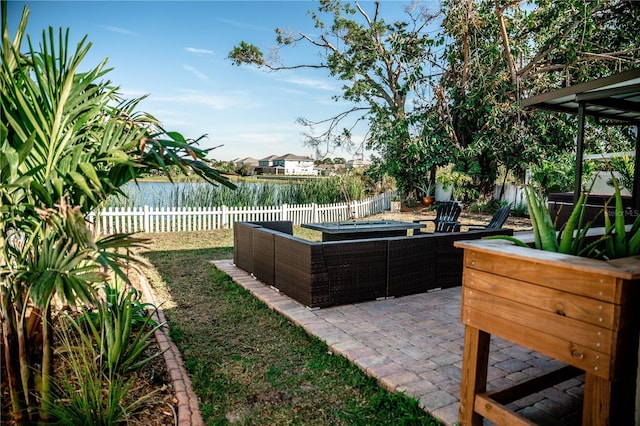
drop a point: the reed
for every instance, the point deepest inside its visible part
(304, 191)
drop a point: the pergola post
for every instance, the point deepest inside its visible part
(577, 188)
(635, 193)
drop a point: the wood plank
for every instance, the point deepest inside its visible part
(498, 413)
(570, 353)
(514, 315)
(558, 276)
(534, 385)
(597, 397)
(551, 300)
(502, 248)
(475, 360)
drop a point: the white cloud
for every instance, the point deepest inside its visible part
(199, 51)
(119, 30)
(197, 73)
(244, 25)
(216, 102)
(312, 83)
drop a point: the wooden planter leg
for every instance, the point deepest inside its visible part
(597, 397)
(475, 363)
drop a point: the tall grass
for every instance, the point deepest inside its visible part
(305, 191)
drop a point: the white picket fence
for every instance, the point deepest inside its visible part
(162, 219)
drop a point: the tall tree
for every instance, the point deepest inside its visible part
(499, 52)
(384, 69)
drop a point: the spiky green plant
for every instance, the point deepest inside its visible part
(88, 395)
(616, 241)
(619, 242)
(67, 142)
(120, 331)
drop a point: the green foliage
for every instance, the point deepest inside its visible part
(557, 174)
(624, 166)
(382, 66)
(573, 239)
(118, 344)
(67, 141)
(619, 242)
(330, 190)
(427, 189)
(554, 175)
(520, 210)
(499, 54)
(464, 95)
(86, 395)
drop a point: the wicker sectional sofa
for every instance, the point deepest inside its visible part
(322, 274)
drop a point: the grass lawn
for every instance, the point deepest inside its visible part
(248, 364)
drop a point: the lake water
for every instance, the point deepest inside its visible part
(155, 194)
(193, 194)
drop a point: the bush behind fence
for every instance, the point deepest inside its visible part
(169, 219)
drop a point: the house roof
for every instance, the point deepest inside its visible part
(269, 158)
(294, 157)
(246, 160)
(616, 97)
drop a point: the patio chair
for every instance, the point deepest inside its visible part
(497, 221)
(446, 219)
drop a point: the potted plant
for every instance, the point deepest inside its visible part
(395, 204)
(453, 182)
(427, 193)
(570, 295)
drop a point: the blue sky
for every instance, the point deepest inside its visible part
(176, 52)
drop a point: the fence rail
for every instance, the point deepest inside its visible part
(163, 219)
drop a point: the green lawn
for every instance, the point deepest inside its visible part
(248, 364)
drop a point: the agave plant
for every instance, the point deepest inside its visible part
(572, 238)
(67, 142)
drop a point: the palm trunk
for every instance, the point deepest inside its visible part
(47, 364)
(12, 364)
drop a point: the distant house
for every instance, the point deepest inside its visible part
(357, 163)
(295, 165)
(267, 161)
(330, 169)
(247, 161)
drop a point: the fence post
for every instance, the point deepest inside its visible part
(224, 220)
(285, 213)
(354, 209)
(314, 213)
(146, 219)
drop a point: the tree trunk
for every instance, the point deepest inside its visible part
(47, 363)
(12, 363)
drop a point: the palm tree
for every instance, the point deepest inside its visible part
(67, 142)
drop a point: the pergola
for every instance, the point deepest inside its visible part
(611, 100)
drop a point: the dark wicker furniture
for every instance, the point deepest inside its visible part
(361, 229)
(341, 272)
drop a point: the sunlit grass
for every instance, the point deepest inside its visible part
(248, 363)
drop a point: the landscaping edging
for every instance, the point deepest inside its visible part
(188, 402)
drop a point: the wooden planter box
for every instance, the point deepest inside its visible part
(576, 310)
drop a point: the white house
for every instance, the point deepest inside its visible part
(247, 161)
(267, 161)
(358, 163)
(295, 165)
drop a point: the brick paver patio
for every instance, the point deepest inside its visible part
(414, 344)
